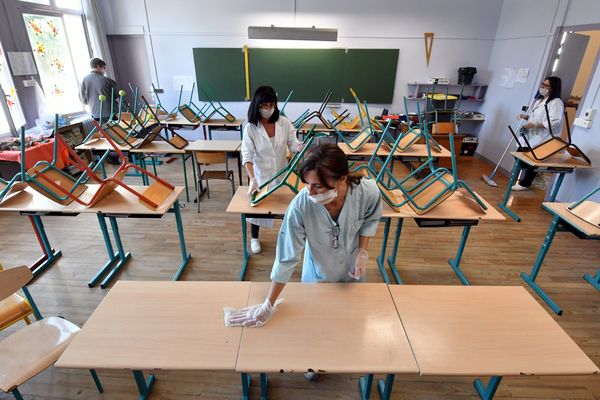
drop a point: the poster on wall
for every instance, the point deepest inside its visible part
(522, 75)
(508, 78)
(21, 63)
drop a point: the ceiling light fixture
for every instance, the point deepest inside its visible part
(288, 33)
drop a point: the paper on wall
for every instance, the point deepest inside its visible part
(22, 63)
(508, 78)
(522, 75)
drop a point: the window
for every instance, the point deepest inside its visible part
(61, 50)
(11, 98)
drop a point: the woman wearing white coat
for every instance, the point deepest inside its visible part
(267, 136)
(537, 123)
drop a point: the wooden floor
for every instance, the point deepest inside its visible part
(495, 255)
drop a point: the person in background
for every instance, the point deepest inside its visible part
(267, 136)
(537, 123)
(94, 84)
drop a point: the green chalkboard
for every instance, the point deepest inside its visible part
(371, 73)
(221, 71)
(309, 72)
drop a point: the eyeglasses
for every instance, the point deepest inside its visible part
(335, 232)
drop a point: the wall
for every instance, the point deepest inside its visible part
(588, 63)
(460, 38)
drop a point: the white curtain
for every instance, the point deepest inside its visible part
(97, 32)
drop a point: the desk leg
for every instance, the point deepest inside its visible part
(143, 166)
(556, 187)
(96, 380)
(487, 393)
(209, 132)
(245, 247)
(144, 385)
(455, 262)
(530, 279)
(511, 182)
(195, 174)
(365, 384)
(50, 255)
(381, 258)
(392, 259)
(241, 133)
(123, 257)
(245, 386)
(385, 387)
(187, 191)
(264, 382)
(593, 280)
(185, 256)
(239, 161)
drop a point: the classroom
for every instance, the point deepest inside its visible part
(299, 199)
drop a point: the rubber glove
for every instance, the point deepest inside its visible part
(253, 316)
(253, 187)
(360, 265)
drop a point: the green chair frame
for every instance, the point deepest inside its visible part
(216, 106)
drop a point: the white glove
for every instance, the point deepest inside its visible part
(253, 316)
(360, 265)
(253, 187)
(298, 147)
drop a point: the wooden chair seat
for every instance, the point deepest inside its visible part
(189, 114)
(359, 141)
(210, 174)
(408, 140)
(13, 309)
(439, 187)
(120, 133)
(392, 197)
(32, 349)
(157, 193)
(546, 149)
(178, 142)
(66, 182)
(15, 188)
(589, 211)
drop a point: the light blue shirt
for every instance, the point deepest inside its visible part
(308, 223)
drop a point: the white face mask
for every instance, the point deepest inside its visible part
(544, 92)
(324, 198)
(266, 112)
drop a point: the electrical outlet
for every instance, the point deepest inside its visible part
(589, 114)
(583, 123)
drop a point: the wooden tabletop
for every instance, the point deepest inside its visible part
(160, 325)
(118, 202)
(274, 204)
(102, 145)
(157, 146)
(580, 224)
(560, 160)
(214, 145)
(222, 122)
(179, 121)
(327, 327)
(417, 150)
(322, 128)
(485, 331)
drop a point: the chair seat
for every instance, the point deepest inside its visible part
(216, 174)
(30, 350)
(12, 309)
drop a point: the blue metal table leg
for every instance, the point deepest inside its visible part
(16, 394)
(264, 382)
(511, 182)
(455, 262)
(392, 259)
(143, 165)
(144, 385)
(139, 164)
(381, 258)
(245, 386)
(593, 280)
(122, 256)
(96, 381)
(530, 279)
(487, 393)
(50, 255)
(185, 179)
(385, 387)
(112, 256)
(245, 247)
(365, 383)
(194, 164)
(185, 256)
(559, 180)
(209, 132)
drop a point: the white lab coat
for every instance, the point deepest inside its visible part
(309, 226)
(556, 109)
(268, 158)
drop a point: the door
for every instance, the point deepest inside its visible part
(568, 54)
(130, 61)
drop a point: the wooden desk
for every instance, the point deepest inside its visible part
(330, 328)
(160, 326)
(561, 218)
(322, 128)
(485, 331)
(222, 123)
(417, 150)
(179, 122)
(562, 163)
(119, 204)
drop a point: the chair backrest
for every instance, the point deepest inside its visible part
(443, 128)
(13, 279)
(212, 157)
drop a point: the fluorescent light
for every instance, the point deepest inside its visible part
(286, 33)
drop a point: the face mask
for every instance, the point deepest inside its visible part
(266, 112)
(544, 92)
(324, 198)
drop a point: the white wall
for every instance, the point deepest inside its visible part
(464, 33)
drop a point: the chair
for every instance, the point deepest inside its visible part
(359, 140)
(307, 116)
(217, 108)
(191, 111)
(30, 350)
(14, 309)
(282, 110)
(362, 112)
(587, 210)
(552, 146)
(159, 109)
(206, 158)
(288, 177)
(177, 141)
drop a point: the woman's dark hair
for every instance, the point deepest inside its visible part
(330, 164)
(555, 88)
(264, 94)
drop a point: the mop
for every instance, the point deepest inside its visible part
(490, 179)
